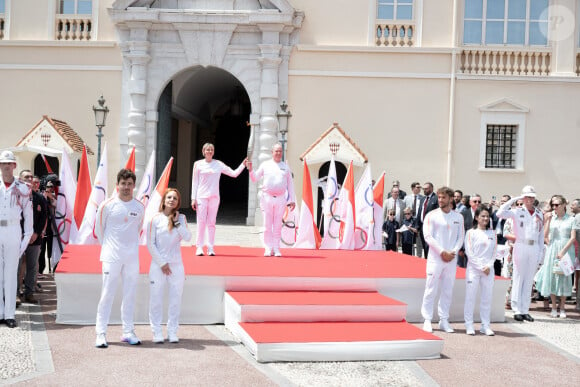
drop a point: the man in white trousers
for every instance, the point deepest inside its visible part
(15, 203)
(119, 222)
(444, 233)
(277, 193)
(528, 228)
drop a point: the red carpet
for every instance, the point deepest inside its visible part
(313, 298)
(244, 261)
(273, 332)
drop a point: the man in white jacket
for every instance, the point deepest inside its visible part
(118, 225)
(15, 203)
(444, 233)
(277, 193)
(528, 228)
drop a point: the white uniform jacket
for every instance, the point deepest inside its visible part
(277, 179)
(164, 245)
(205, 178)
(118, 227)
(443, 231)
(15, 204)
(480, 247)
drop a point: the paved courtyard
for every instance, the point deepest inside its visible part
(41, 352)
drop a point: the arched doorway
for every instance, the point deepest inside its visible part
(322, 173)
(201, 105)
(40, 168)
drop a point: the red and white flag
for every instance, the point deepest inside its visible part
(64, 211)
(289, 226)
(131, 161)
(347, 212)
(86, 234)
(46, 164)
(155, 200)
(308, 236)
(364, 207)
(331, 223)
(84, 188)
(374, 234)
(146, 185)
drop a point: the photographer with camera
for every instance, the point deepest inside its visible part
(48, 186)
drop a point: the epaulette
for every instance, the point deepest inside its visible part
(22, 188)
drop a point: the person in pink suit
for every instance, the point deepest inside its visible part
(205, 195)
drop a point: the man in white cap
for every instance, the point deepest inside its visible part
(15, 203)
(528, 228)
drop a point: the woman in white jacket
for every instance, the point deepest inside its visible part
(205, 194)
(480, 247)
(165, 232)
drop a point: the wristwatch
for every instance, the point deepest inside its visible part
(176, 224)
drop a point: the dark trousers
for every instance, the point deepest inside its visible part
(407, 248)
(391, 247)
(45, 250)
(29, 260)
(425, 245)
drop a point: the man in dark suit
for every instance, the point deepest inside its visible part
(428, 203)
(468, 213)
(498, 224)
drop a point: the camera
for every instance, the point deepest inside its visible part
(50, 178)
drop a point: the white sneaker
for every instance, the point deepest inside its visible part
(101, 341)
(486, 331)
(130, 338)
(277, 253)
(172, 337)
(199, 251)
(444, 326)
(427, 326)
(562, 314)
(210, 251)
(469, 329)
(267, 253)
(554, 313)
(158, 338)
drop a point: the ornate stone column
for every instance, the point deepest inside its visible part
(138, 57)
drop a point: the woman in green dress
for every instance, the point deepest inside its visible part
(560, 235)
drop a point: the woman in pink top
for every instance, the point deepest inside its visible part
(205, 194)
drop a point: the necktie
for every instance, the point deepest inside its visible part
(415, 206)
(395, 207)
(425, 207)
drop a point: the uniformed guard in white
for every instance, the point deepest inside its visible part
(165, 232)
(480, 247)
(15, 203)
(205, 195)
(443, 230)
(277, 193)
(528, 228)
(119, 222)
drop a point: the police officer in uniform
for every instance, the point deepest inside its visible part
(15, 203)
(528, 227)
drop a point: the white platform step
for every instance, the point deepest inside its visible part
(311, 306)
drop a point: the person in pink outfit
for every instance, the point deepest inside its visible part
(205, 194)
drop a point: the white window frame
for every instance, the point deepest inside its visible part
(76, 2)
(417, 19)
(395, 6)
(506, 20)
(503, 112)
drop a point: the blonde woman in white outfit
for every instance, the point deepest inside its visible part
(165, 232)
(480, 247)
(205, 194)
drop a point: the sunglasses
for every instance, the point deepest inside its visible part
(476, 201)
(519, 204)
(556, 204)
